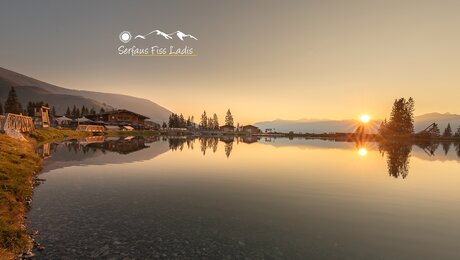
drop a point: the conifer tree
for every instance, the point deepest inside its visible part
(12, 104)
(229, 118)
(447, 131)
(204, 120)
(68, 113)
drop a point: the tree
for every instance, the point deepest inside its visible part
(215, 120)
(30, 108)
(12, 104)
(1, 109)
(401, 121)
(102, 110)
(435, 132)
(457, 134)
(164, 125)
(447, 131)
(204, 121)
(74, 112)
(92, 111)
(53, 112)
(229, 118)
(68, 113)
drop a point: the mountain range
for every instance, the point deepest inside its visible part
(327, 126)
(30, 89)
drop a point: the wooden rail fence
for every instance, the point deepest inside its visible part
(19, 123)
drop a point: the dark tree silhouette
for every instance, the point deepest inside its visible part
(12, 104)
(1, 108)
(401, 121)
(229, 118)
(68, 113)
(447, 132)
(204, 121)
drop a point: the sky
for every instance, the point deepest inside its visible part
(265, 60)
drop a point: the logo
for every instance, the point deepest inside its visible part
(156, 50)
(125, 36)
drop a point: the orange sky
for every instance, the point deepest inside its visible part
(263, 59)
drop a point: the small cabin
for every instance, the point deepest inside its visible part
(227, 128)
(250, 129)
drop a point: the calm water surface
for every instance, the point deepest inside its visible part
(144, 198)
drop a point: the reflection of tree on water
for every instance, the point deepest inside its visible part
(398, 155)
(446, 147)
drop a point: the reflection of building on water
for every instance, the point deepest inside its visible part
(250, 139)
(44, 150)
(123, 145)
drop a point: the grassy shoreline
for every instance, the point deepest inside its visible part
(19, 164)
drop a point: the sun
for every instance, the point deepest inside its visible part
(365, 119)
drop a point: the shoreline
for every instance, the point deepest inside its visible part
(19, 169)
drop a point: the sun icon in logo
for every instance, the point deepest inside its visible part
(125, 36)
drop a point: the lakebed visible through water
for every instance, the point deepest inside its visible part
(254, 198)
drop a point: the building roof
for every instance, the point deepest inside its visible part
(122, 111)
(227, 126)
(250, 126)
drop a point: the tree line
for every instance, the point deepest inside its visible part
(401, 122)
(12, 105)
(206, 122)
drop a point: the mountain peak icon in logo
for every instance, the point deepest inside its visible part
(167, 36)
(158, 32)
(182, 35)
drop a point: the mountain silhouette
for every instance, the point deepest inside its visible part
(182, 35)
(158, 32)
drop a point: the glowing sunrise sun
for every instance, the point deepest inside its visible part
(365, 118)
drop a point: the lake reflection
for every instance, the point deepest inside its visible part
(255, 198)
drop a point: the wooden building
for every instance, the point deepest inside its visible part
(250, 129)
(227, 128)
(41, 116)
(121, 116)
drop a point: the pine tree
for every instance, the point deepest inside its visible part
(229, 118)
(74, 111)
(436, 132)
(457, 134)
(164, 126)
(215, 120)
(30, 109)
(401, 119)
(447, 132)
(12, 104)
(204, 120)
(68, 113)
(53, 112)
(92, 111)
(102, 110)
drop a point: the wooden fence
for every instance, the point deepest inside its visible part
(16, 122)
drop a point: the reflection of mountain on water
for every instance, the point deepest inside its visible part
(110, 151)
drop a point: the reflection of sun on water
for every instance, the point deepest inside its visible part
(362, 151)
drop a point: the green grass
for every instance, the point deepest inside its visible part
(18, 164)
(53, 134)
